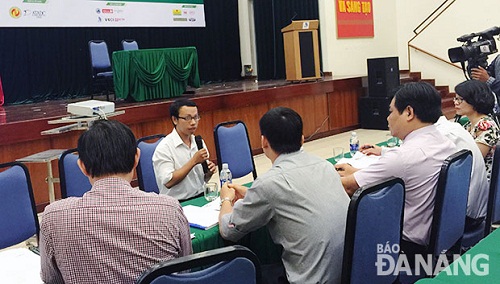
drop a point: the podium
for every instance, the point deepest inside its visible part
(300, 40)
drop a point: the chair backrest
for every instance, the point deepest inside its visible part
(374, 218)
(493, 211)
(450, 205)
(232, 145)
(145, 172)
(72, 181)
(233, 264)
(18, 216)
(99, 56)
(129, 44)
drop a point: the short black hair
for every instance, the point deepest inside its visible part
(422, 97)
(478, 94)
(177, 104)
(108, 147)
(283, 129)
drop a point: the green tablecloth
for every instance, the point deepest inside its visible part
(259, 241)
(488, 247)
(148, 74)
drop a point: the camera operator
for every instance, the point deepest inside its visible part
(490, 76)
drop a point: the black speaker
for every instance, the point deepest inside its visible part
(383, 76)
(373, 113)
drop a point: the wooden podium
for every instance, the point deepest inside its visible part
(301, 50)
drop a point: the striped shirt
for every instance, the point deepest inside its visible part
(110, 235)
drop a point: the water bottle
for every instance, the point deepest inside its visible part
(353, 143)
(225, 175)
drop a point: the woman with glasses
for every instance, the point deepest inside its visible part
(475, 100)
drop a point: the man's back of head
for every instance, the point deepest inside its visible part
(107, 148)
(283, 129)
(422, 97)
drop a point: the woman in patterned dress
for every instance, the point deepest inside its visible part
(475, 100)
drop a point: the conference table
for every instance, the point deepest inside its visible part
(259, 241)
(148, 74)
(480, 264)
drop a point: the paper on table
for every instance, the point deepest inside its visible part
(203, 218)
(19, 265)
(360, 160)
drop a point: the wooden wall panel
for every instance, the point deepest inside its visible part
(335, 101)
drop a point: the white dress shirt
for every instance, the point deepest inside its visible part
(478, 190)
(170, 155)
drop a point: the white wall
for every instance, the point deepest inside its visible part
(346, 57)
(463, 17)
(394, 22)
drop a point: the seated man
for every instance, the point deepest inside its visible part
(413, 111)
(479, 186)
(114, 232)
(300, 199)
(177, 160)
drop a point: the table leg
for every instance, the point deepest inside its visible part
(50, 181)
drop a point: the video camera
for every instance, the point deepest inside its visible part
(475, 53)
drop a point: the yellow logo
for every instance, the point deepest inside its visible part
(176, 12)
(15, 12)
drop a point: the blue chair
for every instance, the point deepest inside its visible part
(102, 73)
(145, 172)
(374, 217)
(233, 264)
(72, 181)
(493, 209)
(232, 145)
(450, 205)
(18, 216)
(129, 44)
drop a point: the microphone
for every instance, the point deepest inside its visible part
(199, 144)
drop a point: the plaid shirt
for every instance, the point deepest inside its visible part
(110, 235)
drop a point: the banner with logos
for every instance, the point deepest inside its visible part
(102, 13)
(354, 18)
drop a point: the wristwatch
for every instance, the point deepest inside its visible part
(226, 199)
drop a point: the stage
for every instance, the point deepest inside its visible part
(328, 106)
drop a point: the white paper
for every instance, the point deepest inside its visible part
(360, 160)
(19, 265)
(201, 217)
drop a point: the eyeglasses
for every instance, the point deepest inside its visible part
(189, 117)
(458, 100)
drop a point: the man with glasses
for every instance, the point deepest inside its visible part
(177, 160)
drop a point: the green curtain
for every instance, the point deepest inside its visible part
(149, 74)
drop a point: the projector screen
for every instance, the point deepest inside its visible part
(102, 13)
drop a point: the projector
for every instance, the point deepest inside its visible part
(91, 108)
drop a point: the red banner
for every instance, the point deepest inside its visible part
(354, 18)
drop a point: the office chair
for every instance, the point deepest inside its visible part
(72, 181)
(450, 209)
(374, 217)
(18, 216)
(129, 44)
(232, 145)
(493, 209)
(233, 264)
(145, 172)
(100, 63)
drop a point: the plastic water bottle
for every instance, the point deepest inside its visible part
(353, 143)
(225, 175)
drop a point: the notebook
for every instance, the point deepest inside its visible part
(203, 218)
